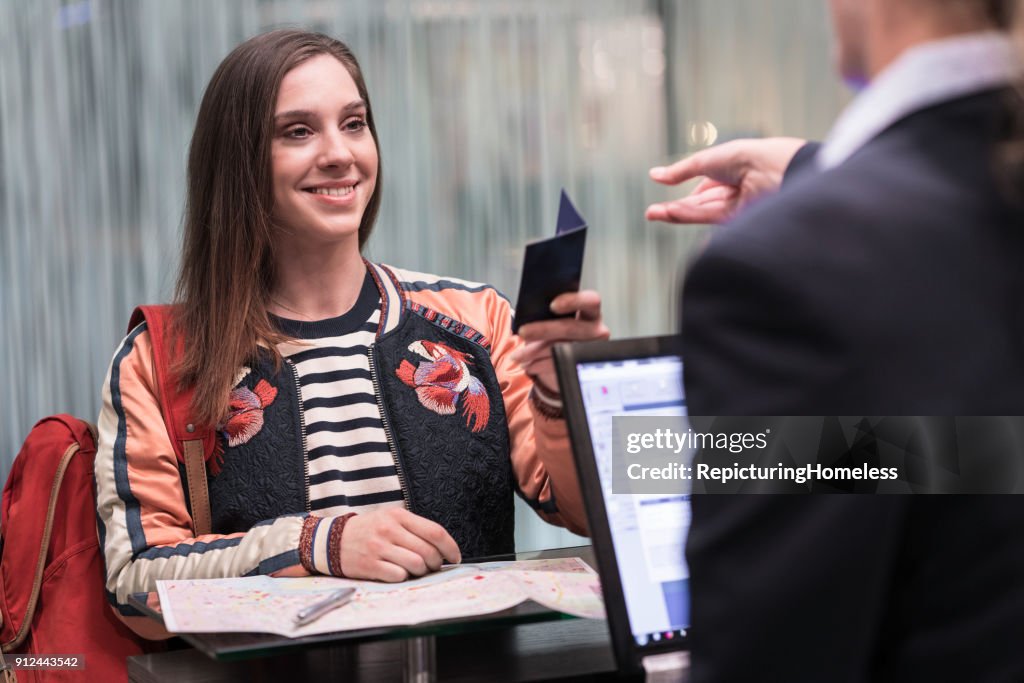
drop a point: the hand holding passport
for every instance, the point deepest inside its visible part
(551, 267)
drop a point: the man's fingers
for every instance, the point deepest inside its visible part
(687, 212)
(711, 202)
(679, 172)
(699, 164)
(706, 185)
(657, 212)
(708, 190)
(706, 212)
(722, 163)
(713, 192)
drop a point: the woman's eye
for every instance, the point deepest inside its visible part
(355, 125)
(298, 133)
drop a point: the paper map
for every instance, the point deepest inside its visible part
(262, 604)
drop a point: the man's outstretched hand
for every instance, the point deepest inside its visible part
(734, 173)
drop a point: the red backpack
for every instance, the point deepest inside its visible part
(52, 596)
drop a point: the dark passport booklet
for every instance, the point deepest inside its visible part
(551, 267)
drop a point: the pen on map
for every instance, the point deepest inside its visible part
(336, 599)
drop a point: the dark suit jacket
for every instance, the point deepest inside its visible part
(892, 284)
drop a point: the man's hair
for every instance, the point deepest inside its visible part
(227, 266)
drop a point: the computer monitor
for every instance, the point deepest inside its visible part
(638, 538)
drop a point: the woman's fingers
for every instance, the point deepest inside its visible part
(587, 324)
(425, 550)
(586, 304)
(389, 572)
(544, 369)
(561, 329)
(433, 534)
(411, 562)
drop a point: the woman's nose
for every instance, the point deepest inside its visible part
(335, 151)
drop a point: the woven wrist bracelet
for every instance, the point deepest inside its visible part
(306, 543)
(334, 544)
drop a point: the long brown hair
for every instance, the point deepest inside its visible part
(227, 264)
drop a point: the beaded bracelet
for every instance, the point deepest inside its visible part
(306, 542)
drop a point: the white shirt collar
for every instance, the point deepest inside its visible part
(923, 75)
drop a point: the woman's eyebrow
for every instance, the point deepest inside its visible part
(352, 106)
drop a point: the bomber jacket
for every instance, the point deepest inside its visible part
(459, 474)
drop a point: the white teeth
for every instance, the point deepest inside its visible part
(334, 191)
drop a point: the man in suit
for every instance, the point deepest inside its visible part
(883, 278)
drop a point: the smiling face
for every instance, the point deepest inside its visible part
(323, 155)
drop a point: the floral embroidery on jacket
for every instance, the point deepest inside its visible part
(245, 418)
(443, 379)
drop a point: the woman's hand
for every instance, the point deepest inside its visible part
(394, 545)
(535, 355)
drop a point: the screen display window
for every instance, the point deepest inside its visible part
(648, 531)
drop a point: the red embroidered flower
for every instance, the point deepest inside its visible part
(443, 379)
(245, 418)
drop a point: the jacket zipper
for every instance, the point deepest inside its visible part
(387, 427)
(302, 427)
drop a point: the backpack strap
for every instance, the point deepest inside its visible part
(193, 443)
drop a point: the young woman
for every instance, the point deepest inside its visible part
(373, 422)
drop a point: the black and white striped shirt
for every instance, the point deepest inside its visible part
(350, 464)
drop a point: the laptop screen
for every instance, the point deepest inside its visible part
(648, 531)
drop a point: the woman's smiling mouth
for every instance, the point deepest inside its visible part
(333, 191)
(333, 195)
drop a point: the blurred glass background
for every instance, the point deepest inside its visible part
(485, 110)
